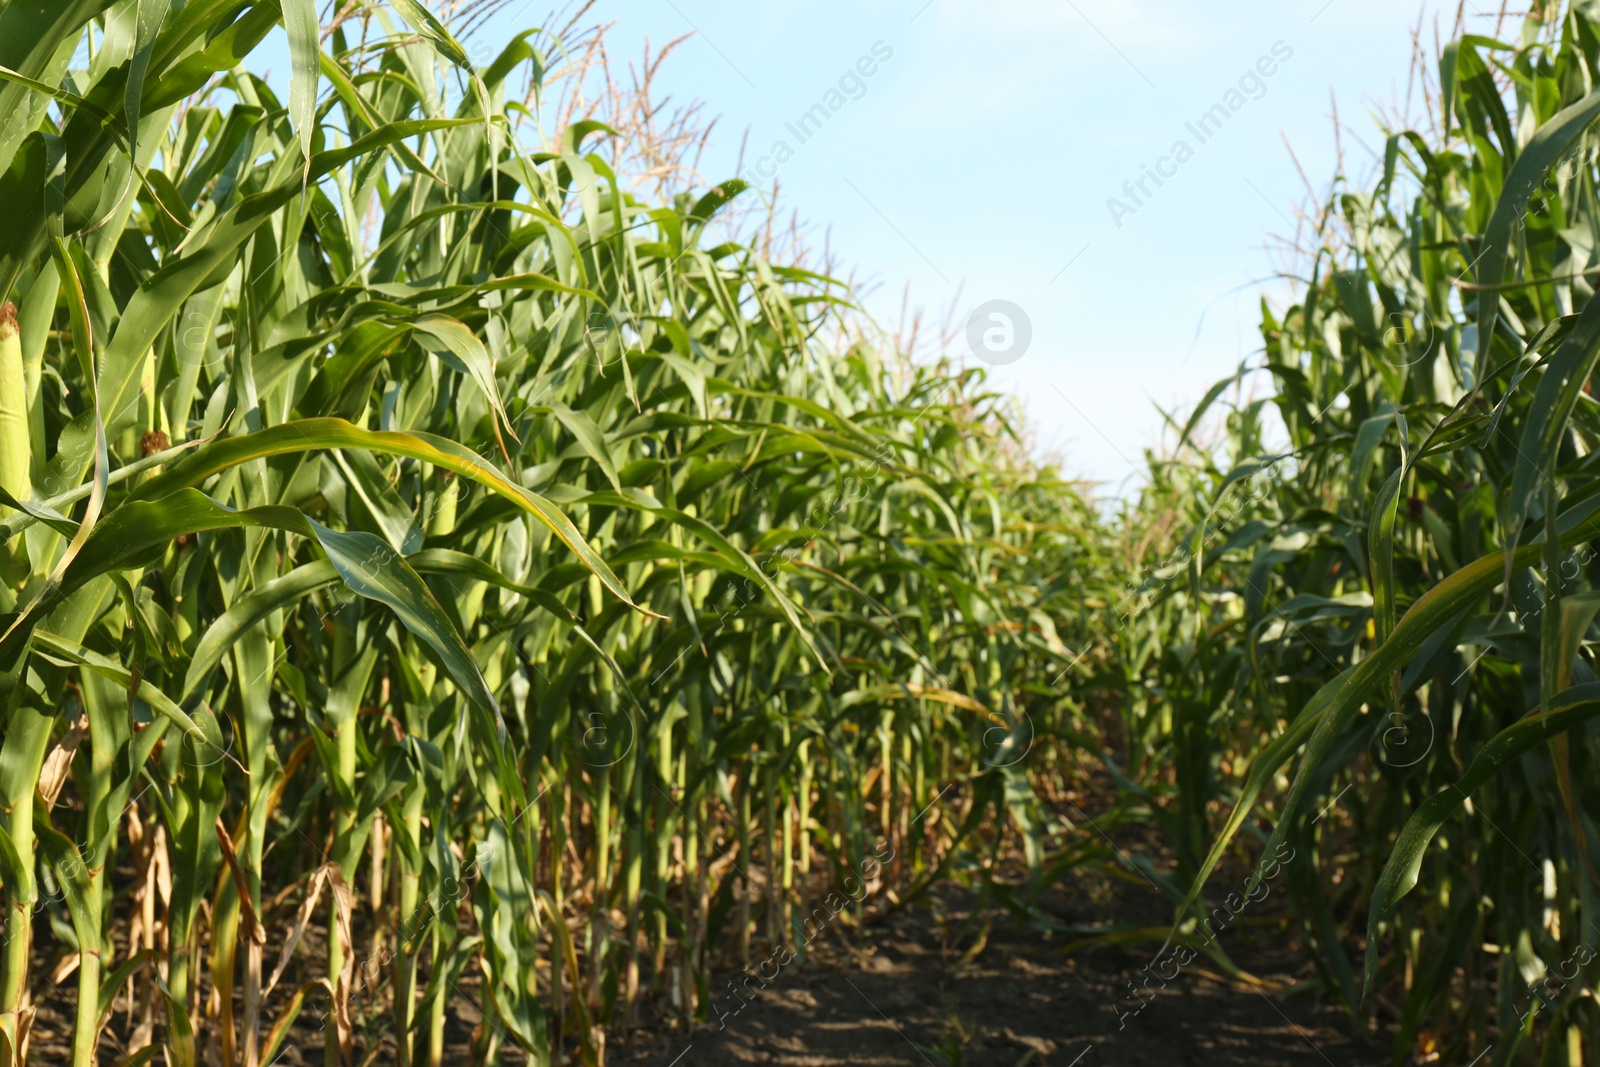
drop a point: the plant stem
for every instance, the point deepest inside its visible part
(405, 972)
(21, 759)
(15, 449)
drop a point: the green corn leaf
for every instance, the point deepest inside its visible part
(32, 38)
(1570, 709)
(366, 564)
(213, 256)
(466, 348)
(72, 875)
(720, 196)
(1529, 171)
(18, 875)
(305, 58)
(390, 513)
(1553, 403)
(117, 980)
(420, 19)
(374, 570)
(589, 437)
(60, 647)
(152, 13)
(310, 434)
(224, 50)
(244, 613)
(1380, 546)
(1327, 713)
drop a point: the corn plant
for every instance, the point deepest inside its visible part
(1374, 641)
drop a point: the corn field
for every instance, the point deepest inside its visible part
(448, 558)
(434, 571)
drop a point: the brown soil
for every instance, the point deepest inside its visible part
(904, 991)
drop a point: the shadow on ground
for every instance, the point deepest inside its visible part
(924, 986)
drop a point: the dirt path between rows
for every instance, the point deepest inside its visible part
(901, 992)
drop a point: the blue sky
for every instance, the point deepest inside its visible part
(976, 163)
